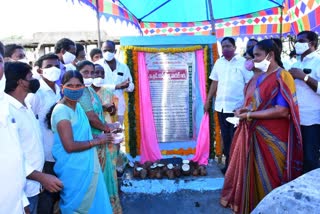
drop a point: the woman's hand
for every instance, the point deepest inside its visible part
(240, 111)
(103, 139)
(111, 108)
(243, 116)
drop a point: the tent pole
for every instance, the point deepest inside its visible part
(98, 24)
(281, 20)
(213, 29)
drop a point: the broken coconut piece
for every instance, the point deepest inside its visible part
(153, 166)
(139, 169)
(160, 165)
(185, 161)
(170, 166)
(186, 169)
(131, 164)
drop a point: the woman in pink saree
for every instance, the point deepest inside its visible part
(267, 147)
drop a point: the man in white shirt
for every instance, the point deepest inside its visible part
(117, 76)
(41, 102)
(66, 51)
(229, 77)
(19, 83)
(12, 166)
(306, 72)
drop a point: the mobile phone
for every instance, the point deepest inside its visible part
(307, 70)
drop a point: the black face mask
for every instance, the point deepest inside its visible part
(34, 85)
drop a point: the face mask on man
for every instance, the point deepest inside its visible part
(52, 74)
(228, 53)
(87, 81)
(73, 94)
(249, 65)
(34, 85)
(301, 47)
(108, 56)
(98, 82)
(263, 65)
(68, 57)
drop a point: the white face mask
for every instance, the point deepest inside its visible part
(87, 81)
(35, 73)
(108, 56)
(70, 67)
(68, 57)
(98, 82)
(263, 65)
(52, 74)
(301, 47)
(2, 85)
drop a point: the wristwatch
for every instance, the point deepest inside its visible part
(306, 77)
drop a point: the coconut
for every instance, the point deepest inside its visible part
(170, 166)
(153, 166)
(139, 169)
(159, 174)
(195, 172)
(143, 173)
(185, 161)
(203, 170)
(170, 174)
(177, 170)
(160, 165)
(185, 169)
(147, 164)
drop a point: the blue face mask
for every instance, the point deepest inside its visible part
(73, 94)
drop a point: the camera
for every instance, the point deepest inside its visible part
(307, 70)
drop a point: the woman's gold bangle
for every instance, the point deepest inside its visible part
(248, 116)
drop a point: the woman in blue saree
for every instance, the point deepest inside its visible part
(77, 163)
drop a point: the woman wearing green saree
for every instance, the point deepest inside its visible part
(92, 105)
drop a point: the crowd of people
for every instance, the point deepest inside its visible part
(277, 138)
(57, 120)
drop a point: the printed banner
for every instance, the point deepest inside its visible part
(171, 91)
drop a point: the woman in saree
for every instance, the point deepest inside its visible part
(91, 103)
(267, 147)
(77, 164)
(107, 98)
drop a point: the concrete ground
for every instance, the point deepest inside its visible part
(187, 195)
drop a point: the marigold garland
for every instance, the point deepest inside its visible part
(136, 99)
(126, 121)
(163, 50)
(182, 152)
(218, 147)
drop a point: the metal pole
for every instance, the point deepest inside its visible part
(281, 20)
(98, 24)
(213, 29)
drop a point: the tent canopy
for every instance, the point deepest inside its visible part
(192, 11)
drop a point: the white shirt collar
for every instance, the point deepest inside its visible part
(235, 57)
(13, 101)
(311, 55)
(46, 87)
